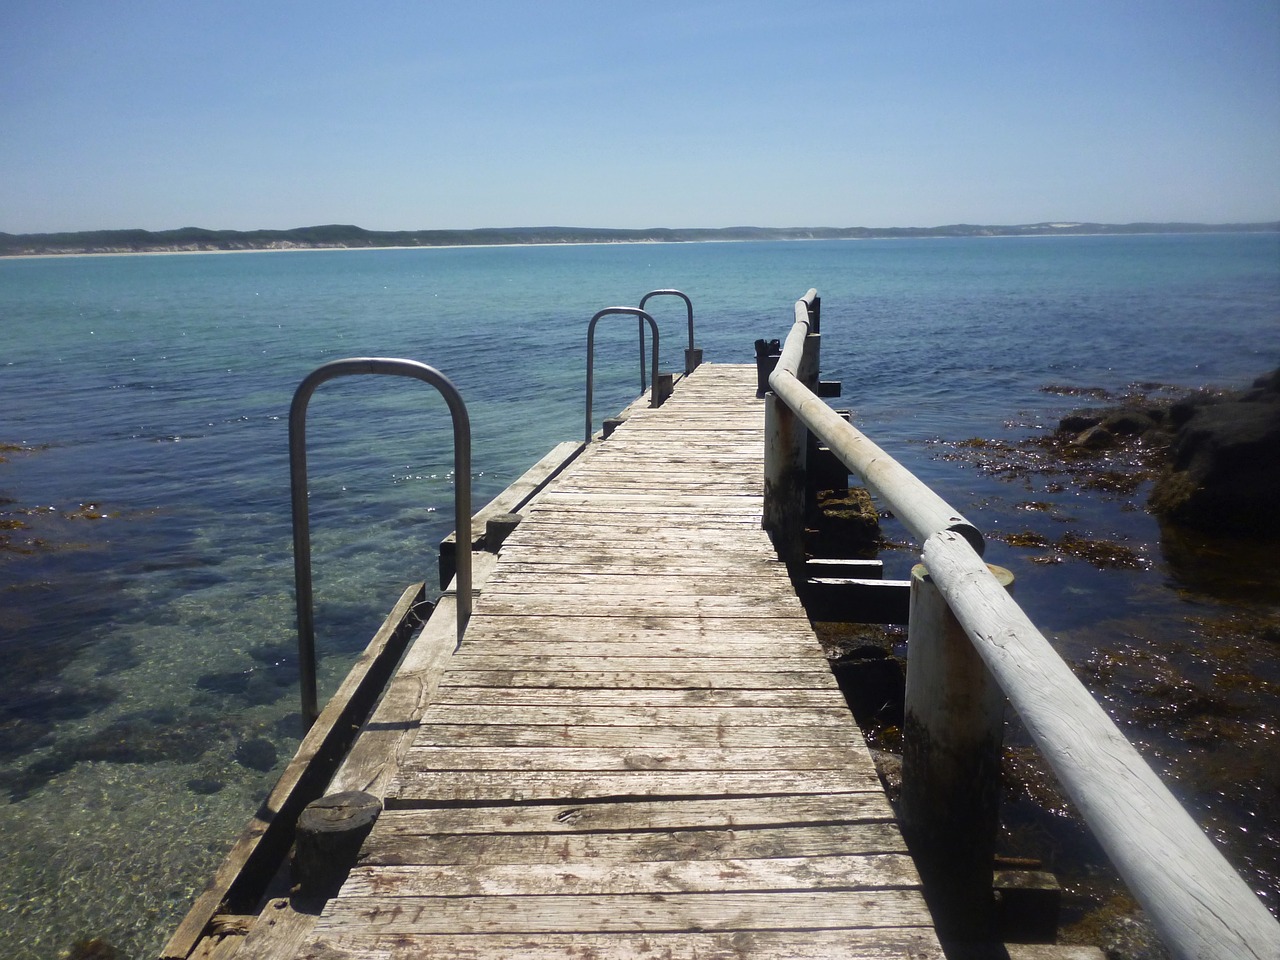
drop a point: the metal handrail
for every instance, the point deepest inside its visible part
(301, 518)
(921, 510)
(1198, 902)
(591, 348)
(689, 364)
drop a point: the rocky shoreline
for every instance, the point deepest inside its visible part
(1216, 454)
(1192, 682)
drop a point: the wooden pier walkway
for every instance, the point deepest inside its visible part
(639, 749)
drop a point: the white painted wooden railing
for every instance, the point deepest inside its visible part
(1198, 903)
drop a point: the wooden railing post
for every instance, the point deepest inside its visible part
(952, 742)
(785, 453)
(809, 374)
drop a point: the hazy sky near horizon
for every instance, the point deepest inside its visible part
(416, 115)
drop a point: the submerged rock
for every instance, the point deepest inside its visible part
(847, 525)
(1214, 455)
(1224, 468)
(257, 753)
(94, 948)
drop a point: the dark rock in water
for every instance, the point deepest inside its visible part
(847, 525)
(873, 684)
(1097, 437)
(889, 767)
(256, 754)
(93, 949)
(1132, 938)
(1225, 468)
(1130, 423)
(256, 686)
(1078, 422)
(204, 786)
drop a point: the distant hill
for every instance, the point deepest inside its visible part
(344, 236)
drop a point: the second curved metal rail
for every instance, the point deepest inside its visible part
(591, 350)
(301, 518)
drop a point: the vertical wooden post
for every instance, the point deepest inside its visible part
(952, 741)
(785, 448)
(663, 386)
(814, 310)
(808, 373)
(692, 359)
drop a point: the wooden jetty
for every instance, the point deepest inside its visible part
(638, 749)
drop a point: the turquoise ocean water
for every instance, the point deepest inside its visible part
(149, 696)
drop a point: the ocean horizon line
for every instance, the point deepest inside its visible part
(350, 237)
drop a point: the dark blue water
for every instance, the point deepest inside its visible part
(147, 624)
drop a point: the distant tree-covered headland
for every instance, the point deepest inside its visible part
(344, 236)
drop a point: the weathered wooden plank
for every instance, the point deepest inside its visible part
(765, 584)
(669, 530)
(740, 526)
(465, 659)
(625, 473)
(669, 533)
(434, 758)
(523, 786)
(515, 734)
(533, 602)
(583, 564)
(643, 697)
(837, 944)
(738, 535)
(498, 604)
(685, 630)
(664, 504)
(620, 681)
(280, 931)
(590, 878)
(827, 840)
(775, 910)
(720, 813)
(722, 717)
(522, 560)
(720, 649)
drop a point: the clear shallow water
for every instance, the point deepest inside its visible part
(147, 618)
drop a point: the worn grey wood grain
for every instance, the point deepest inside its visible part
(515, 734)
(720, 813)
(594, 877)
(790, 759)
(635, 846)
(639, 749)
(640, 697)
(647, 627)
(769, 910)
(495, 661)
(839, 944)
(721, 718)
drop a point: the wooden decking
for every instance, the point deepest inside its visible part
(639, 750)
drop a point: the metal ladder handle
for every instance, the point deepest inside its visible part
(591, 347)
(688, 305)
(301, 518)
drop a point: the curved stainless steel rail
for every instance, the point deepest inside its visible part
(691, 355)
(591, 351)
(301, 518)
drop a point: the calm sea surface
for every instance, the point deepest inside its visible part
(149, 696)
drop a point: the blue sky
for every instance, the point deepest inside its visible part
(413, 115)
